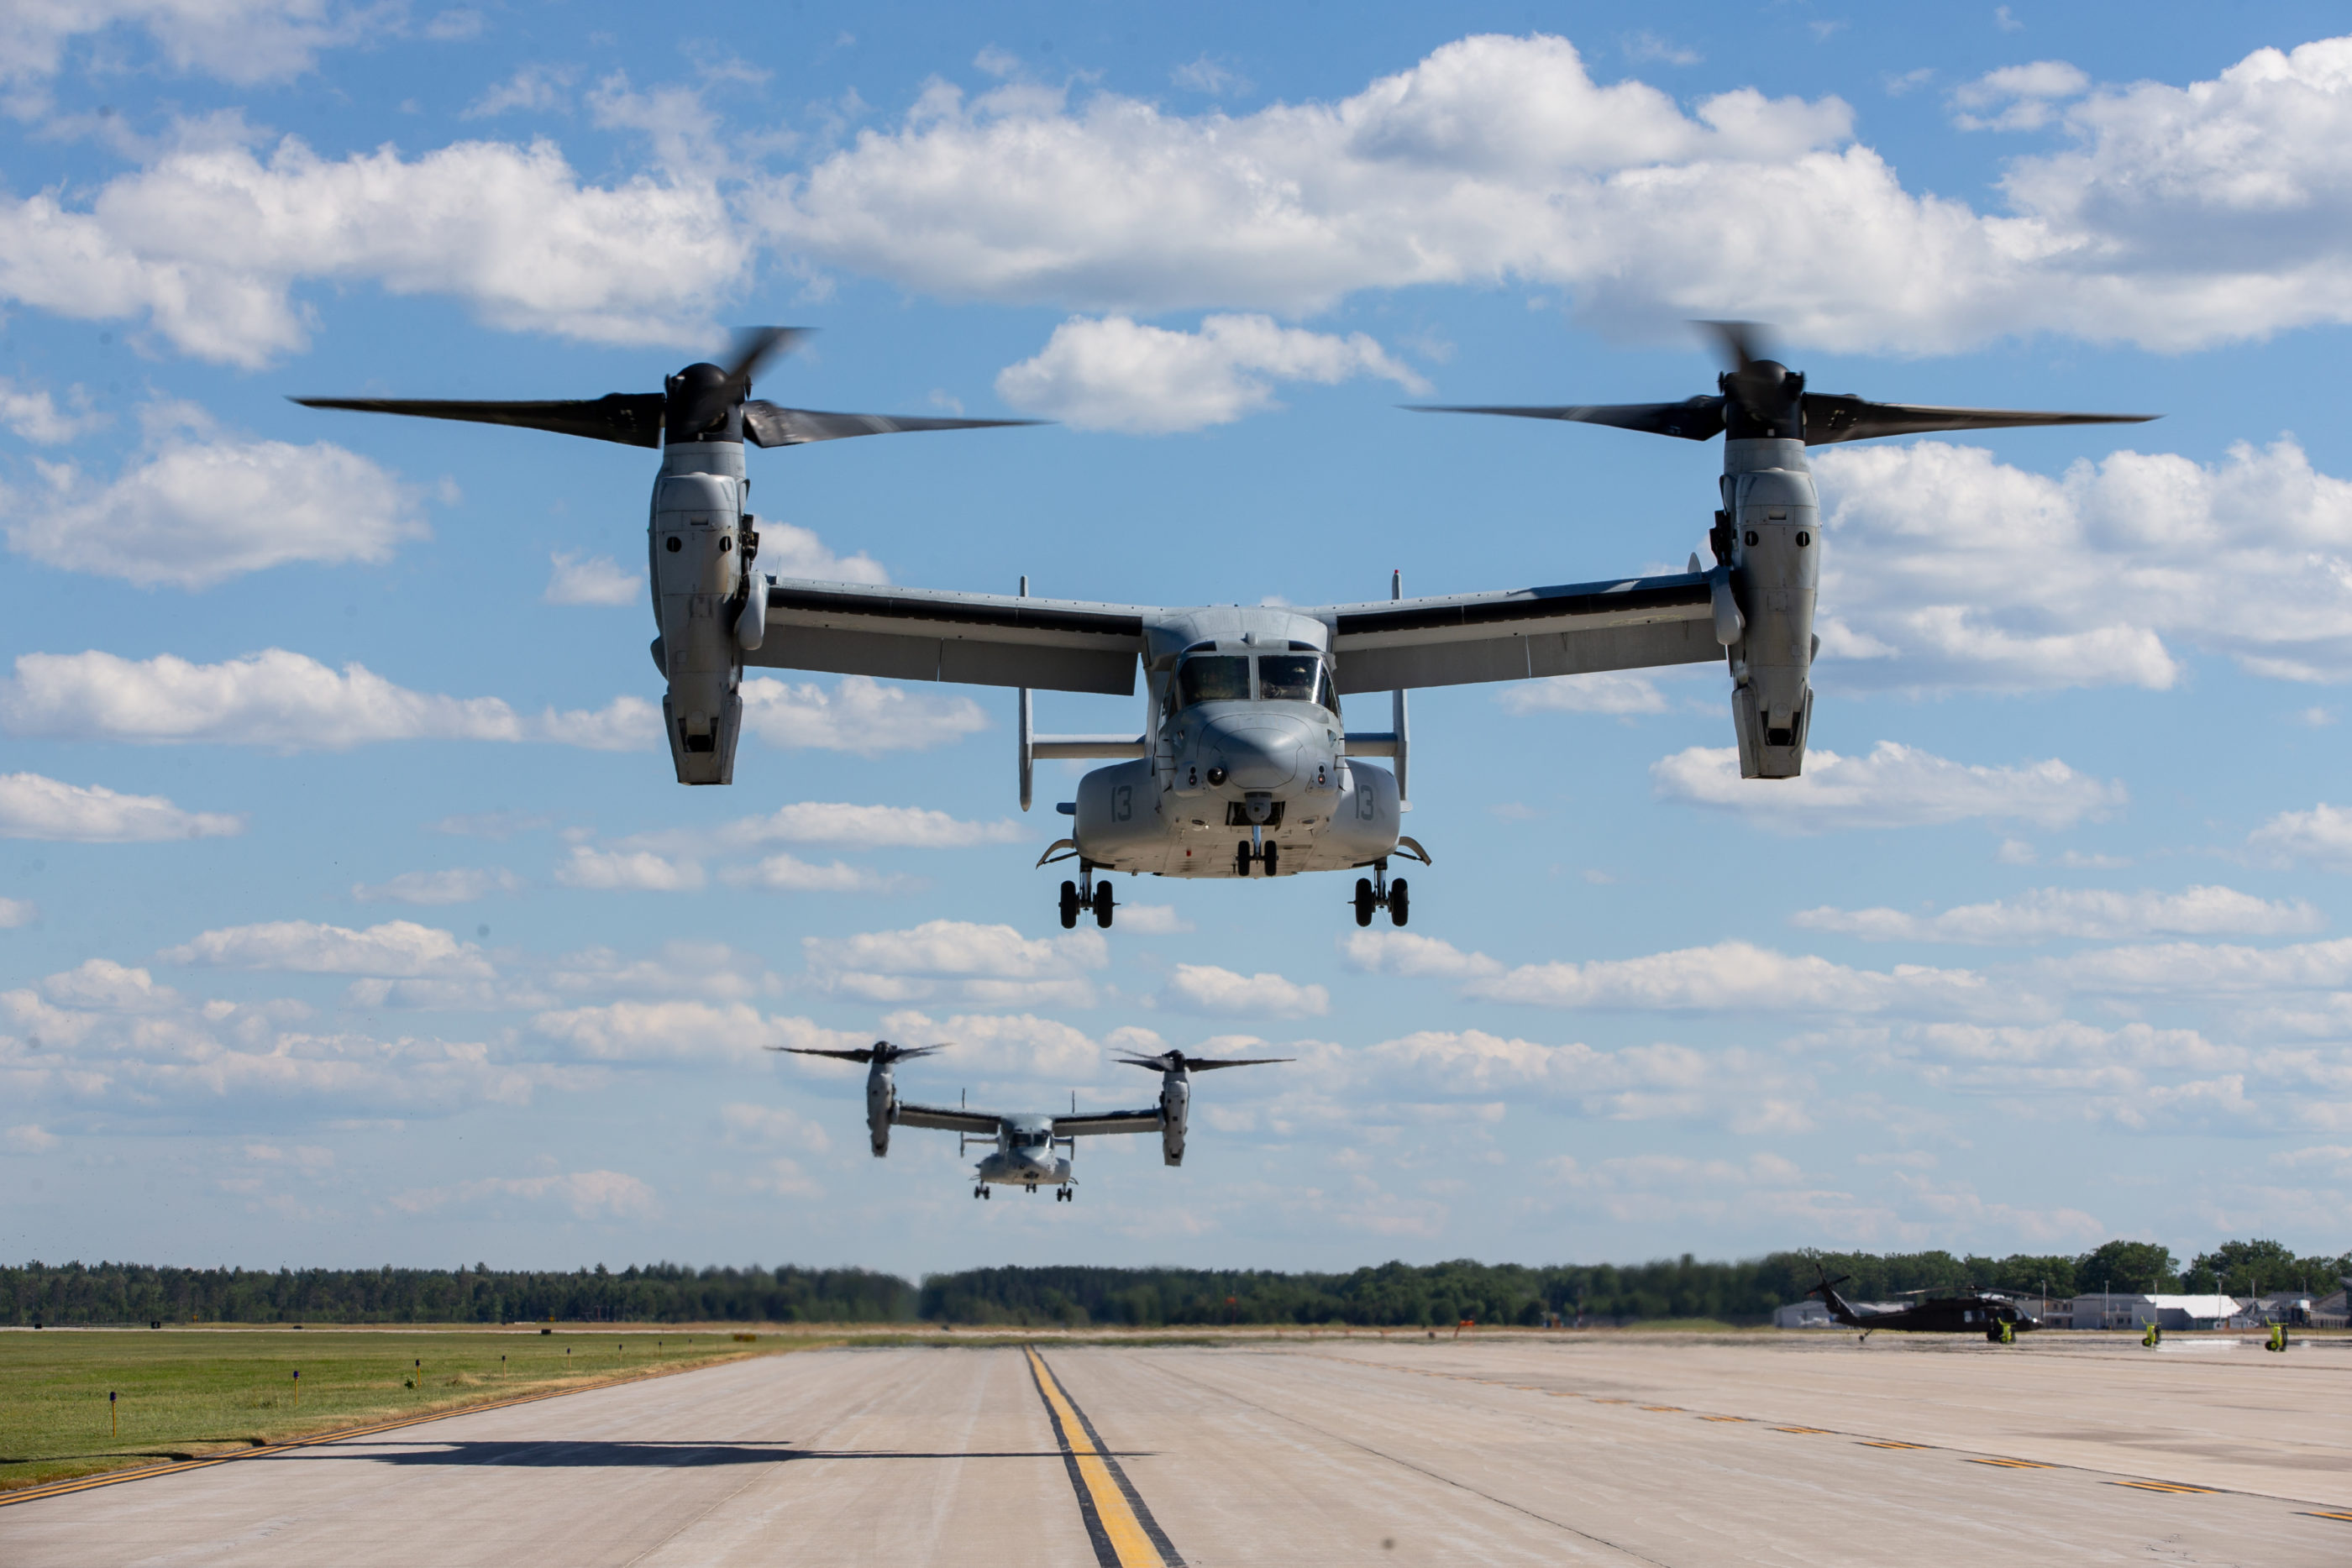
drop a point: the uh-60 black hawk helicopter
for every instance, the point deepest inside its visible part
(1997, 1317)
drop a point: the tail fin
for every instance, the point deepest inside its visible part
(1827, 1292)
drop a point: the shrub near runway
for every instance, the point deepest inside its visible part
(189, 1393)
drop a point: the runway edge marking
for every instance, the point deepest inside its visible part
(148, 1472)
(1124, 1533)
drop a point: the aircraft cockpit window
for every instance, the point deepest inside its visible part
(1286, 677)
(1327, 695)
(1215, 678)
(1030, 1140)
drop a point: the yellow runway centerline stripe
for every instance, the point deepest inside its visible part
(1124, 1533)
(2326, 1513)
(1888, 1443)
(2011, 1464)
(2165, 1486)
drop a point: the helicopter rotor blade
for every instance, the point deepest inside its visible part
(1835, 417)
(766, 425)
(633, 419)
(1695, 419)
(1742, 342)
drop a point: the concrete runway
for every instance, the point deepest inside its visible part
(1606, 1448)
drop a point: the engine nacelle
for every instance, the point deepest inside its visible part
(1774, 518)
(698, 571)
(881, 1105)
(1175, 1109)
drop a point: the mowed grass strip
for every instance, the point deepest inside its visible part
(186, 1393)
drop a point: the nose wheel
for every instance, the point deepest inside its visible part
(1377, 891)
(1086, 895)
(1246, 855)
(980, 1192)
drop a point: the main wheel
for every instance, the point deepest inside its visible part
(1398, 908)
(1241, 860)
(1363, 901)
(1103, 904)
(1273, 859)
(1069, 905)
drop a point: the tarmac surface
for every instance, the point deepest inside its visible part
(1606, 1448)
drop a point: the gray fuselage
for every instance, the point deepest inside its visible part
(1243, 731)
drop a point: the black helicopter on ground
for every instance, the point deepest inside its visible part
(1998, 1318)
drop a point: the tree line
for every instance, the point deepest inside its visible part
(1389, 1295)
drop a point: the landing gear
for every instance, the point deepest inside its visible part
(1033, 1187)
(1084, 894)
(980, 1192)
(1378, 892)
(1065, 1195)
(1245, 856)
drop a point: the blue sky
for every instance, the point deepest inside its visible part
(351, 914)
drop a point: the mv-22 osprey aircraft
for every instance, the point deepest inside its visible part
(1244, 763)
(1025, 1143)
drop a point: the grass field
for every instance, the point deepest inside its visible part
(186, 1393)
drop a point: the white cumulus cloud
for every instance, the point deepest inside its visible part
(194, 512)
(282, 701)
(33, 807)
(787, 873)
(17, 912)
(1944, 567)
(860, 715)
(1606, 692)
(985, 965)
(2185, 214)
(32, 414)
(592, 580)
(2093, 915)
(627, 871)
(1221, 993)
(681, 1030)
(398, 949)
(1114, 374)
(457, 884)
(1895, 785)
(210, 242)
(240, 41)
(2321, 836)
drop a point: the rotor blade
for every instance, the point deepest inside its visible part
(1156, 1063)
(1742, 342)
(767, 425)
(755, 346)
(863, 1053)
(1203, 1063)
(1831, 417)
(633, 419)
(1695, 419)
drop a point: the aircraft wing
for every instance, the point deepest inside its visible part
(1627, 624)
(947, 1118)
(974, 639)
(1106, 1122)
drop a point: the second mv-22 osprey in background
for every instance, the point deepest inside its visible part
(1026, 1142)
(1243, 765)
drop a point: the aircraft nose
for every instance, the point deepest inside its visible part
(1257, 751)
